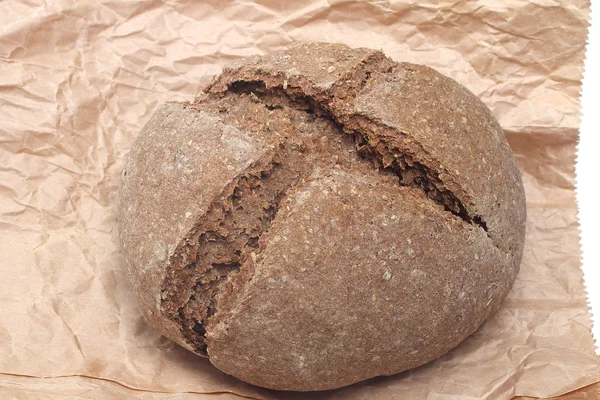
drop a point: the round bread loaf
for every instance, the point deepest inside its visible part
(320, 216)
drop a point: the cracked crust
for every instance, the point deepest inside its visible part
(410, 110)
(320, 216)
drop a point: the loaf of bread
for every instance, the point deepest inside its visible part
(320, 216)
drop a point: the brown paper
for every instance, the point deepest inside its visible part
(78, 79)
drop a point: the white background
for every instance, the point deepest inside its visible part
(588, 171)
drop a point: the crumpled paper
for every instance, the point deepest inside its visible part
(78, 79)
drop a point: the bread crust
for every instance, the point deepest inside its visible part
(392, 227)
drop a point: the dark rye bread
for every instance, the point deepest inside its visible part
(321, 216)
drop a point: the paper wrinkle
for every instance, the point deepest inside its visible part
(78, 80)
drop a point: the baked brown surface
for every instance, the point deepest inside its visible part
(320, 216)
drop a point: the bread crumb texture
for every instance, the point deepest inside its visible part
(320, 216)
